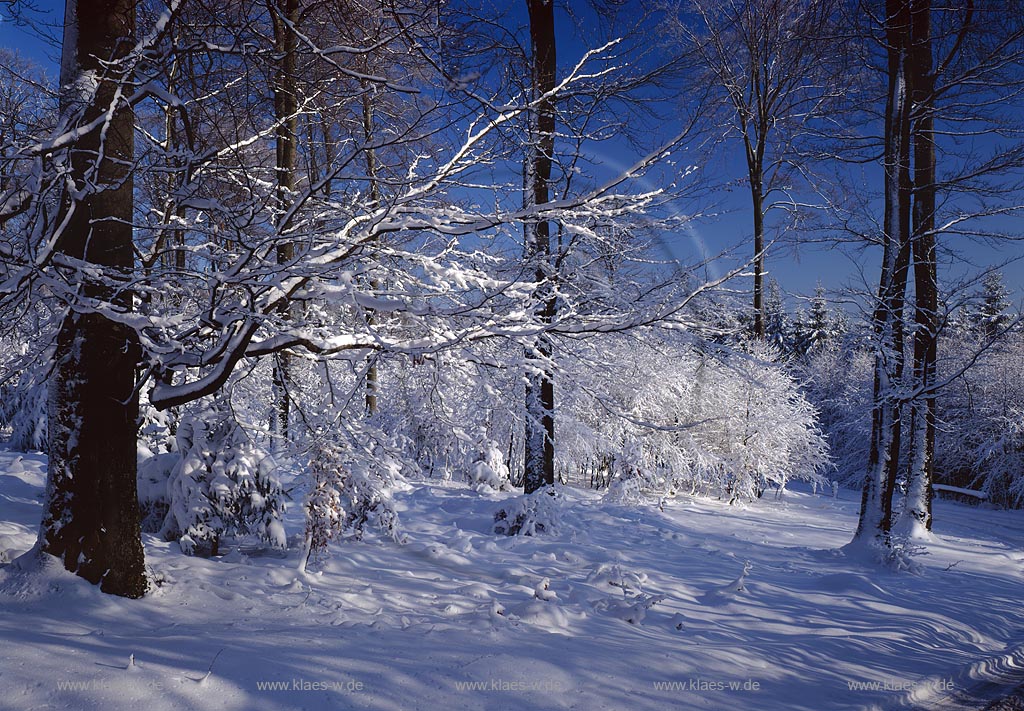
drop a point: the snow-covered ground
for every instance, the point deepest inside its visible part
(622, 607)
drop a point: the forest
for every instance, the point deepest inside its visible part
(291, 281)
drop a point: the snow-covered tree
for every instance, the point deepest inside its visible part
(170, 197)
(350, 492)
(945, 66)
(816, 327)
(92, 517)
(222, 484)
(729, 424)
(992, 312)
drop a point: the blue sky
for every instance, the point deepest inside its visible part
(797, 269)
(27, 39)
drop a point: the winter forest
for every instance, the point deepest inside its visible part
(381, 354)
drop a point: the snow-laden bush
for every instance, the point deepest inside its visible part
(642, 407)
(980, 437)
(25, 412)
(725, 423)
(157, 430)
(1001, 460)
(222, 484)
(350, 493)
(530, 514)
(157, 451)
(458, 415)
(325, 512)
(625, 490)
(485, 464)
(838, 382)
(26, 357)
(152, 477)
(979, 443)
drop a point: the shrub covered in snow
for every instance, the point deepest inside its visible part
(486, 467)
(349, 493)
(458, 415)
(673, 416)
(530, 514)
(152, 479)
(157, 430)
(24, 410)
(980, 443)
(157, 458)
(222, 484)
(838, 382)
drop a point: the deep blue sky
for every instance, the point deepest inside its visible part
(27, 40)
(797, 270)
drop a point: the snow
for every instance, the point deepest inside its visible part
(620, 606)
(960, 490)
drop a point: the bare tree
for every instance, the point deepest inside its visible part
(768, 68)
(950, 72)
(284, 16)
(967, 64)
(539, 457)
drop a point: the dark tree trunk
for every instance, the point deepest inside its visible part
(171, 247)
(372, 385)
(539, 454)
(284, 17)
(876, 504)
(92, 514)
(755, 147)
(921, 461)
(756, 191)
(896, 352)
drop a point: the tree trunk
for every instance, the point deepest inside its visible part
(539, 455)
(917, 515)
(372, 385)
(286, 112)
(92, 514)
(756, 192)
(876, 503)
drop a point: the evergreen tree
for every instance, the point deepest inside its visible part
(816, 327)
(992, 313)
(222, 485)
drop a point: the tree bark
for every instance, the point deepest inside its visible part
(92, 516)
(757, 197)
(372, 385)
(284, 17)
(917, 512)
(539, 454)
(876, 504)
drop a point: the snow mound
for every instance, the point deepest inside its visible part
(532, 514)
